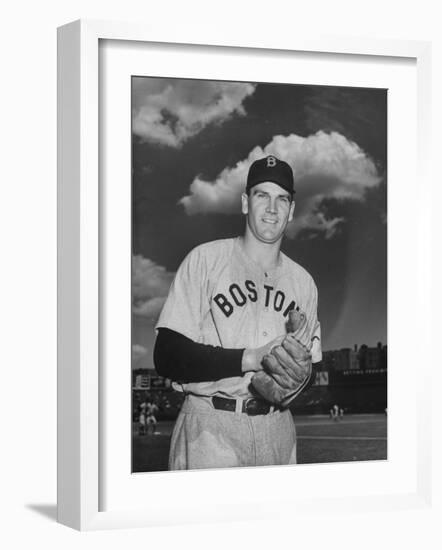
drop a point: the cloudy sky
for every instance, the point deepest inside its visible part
(193, 142)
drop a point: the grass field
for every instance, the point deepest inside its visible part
(320, 439)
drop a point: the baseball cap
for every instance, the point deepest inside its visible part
(271, 169)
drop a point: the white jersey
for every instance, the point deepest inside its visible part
(221, 297)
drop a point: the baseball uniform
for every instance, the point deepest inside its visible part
(222, 297)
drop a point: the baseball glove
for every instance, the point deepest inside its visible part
(287, 368)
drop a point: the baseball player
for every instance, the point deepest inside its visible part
(238, 334)
(142, 420)
(151, 421)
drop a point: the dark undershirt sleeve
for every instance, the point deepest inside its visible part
(183, 360)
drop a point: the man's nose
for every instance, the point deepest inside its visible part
(271, 205)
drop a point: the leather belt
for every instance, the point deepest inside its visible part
(251, 406)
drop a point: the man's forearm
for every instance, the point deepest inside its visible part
(183, 360)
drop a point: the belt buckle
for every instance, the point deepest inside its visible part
(252, 406)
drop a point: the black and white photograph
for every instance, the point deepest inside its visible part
(259, 274)
(220, 262)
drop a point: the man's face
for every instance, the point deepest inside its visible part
(269, 208)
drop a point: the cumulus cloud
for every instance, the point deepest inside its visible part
(170, 111)
(149, 308)
(150, 286)
(325, 165)
(138, 351)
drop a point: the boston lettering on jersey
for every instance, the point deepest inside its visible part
(239, 296)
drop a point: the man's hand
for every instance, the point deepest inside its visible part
(286, 371)
(252, 357)
(289, 362)
(287, 368)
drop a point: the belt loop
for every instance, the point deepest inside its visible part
(238, 405)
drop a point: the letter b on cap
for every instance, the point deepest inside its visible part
(271, 161)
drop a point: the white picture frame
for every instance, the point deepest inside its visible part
(80, 274)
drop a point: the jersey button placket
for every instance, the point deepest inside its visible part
(266, 278)
(265, 332)
(261, 313)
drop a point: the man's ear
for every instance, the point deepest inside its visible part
(244, 203)
(292, 210)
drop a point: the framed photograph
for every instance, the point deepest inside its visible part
(156, 139)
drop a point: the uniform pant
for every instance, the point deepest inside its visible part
(205, 437)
